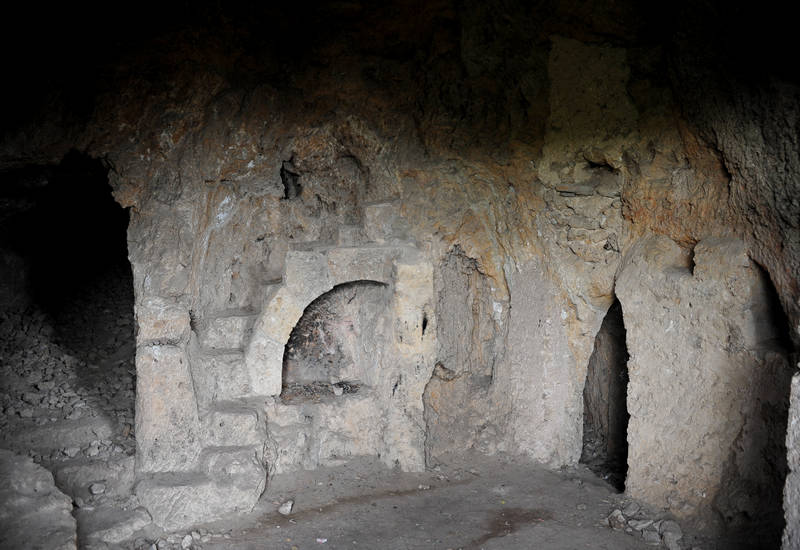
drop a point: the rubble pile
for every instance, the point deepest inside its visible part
(72, 366)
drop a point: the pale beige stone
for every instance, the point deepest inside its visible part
(361, 264)
(161, 321)
(167, 426)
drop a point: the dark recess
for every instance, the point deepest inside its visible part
(291, 181)
(73, 233)
(605, 416)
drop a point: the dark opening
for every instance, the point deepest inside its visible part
(66, 298)
(291, 181)
(605, 411)
(332, 341)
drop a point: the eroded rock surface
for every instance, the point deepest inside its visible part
(709, 395)
(504, 171)
(33, 512)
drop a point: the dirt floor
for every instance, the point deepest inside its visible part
(486, 503)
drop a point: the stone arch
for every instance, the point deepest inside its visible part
(308, 274)
(340, 339)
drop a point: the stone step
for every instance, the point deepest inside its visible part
(110, 524)
(233, 423)
(227, 331)
(231, 482)
(75, 477)
(219, 375)
(53, 436)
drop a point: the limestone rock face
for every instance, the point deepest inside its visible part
(33, 512)
(791, 492)
(502, 171)
(708, 378)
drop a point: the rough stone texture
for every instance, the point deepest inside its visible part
(540, 363)
(218, 376)
(339, 337)
(791, 492)
(159, 321)
(540, 141)
(227, 332)
(33, 512)
(230, 480)
(167, 426)
(68, 433)
(111, 525)
(457, 398)
(709, 395)
(76, 477)
(232, 424)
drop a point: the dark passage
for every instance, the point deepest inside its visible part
(605, 413)
(67, 237)
(66, 301)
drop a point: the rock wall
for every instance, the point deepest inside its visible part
(709, 378)
(460, 409)
(791, 492)
(33, 512)
(503, 170)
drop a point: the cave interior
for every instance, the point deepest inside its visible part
(241, 246)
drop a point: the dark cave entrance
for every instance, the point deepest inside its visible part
(335, 340)
(605, 411)
(66, 291)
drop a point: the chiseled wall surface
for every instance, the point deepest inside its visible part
(541, 156)
(791, 493)
(709, 377)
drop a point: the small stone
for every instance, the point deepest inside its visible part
(423, 487)
(616, 520)
(196, 535)
(670, 540)
(640, 524)
(631, 509)
(97, 488)
(186, 542)
(286, 508)
(337, 390)
(581, 507)
(651, 537)
(669, 526)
